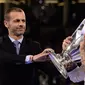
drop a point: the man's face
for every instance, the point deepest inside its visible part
(16, 24)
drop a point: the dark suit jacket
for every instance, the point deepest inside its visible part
(13, 70)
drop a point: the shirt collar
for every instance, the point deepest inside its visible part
(12, 39)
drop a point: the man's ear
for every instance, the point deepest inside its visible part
(6, 23)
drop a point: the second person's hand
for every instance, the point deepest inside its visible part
(66, 42)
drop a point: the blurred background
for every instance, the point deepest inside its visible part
(48, 22)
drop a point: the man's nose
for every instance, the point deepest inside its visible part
(21, 23)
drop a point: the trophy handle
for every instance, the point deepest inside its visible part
(79, 27)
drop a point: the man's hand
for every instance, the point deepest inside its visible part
(43, 56)
(48, 50)
(66, 42)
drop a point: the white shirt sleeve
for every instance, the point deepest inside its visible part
(28, 60)
(77, 75)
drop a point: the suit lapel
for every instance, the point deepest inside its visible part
(23, 47)
(8, 46)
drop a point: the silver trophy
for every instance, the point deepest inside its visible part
(71, 54)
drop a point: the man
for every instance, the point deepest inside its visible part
(18, 62)
(76, 74)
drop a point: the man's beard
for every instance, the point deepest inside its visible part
(19, 34)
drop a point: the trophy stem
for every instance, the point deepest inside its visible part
(57, 61)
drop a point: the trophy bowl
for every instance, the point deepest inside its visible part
(71, 54)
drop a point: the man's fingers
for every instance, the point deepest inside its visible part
(66, 42)
(48, 50)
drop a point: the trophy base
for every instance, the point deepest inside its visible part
(56, 59)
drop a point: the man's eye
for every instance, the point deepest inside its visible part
(20, 20)
(17, 21)
(23, 20)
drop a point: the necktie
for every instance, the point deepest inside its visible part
(16, 44)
